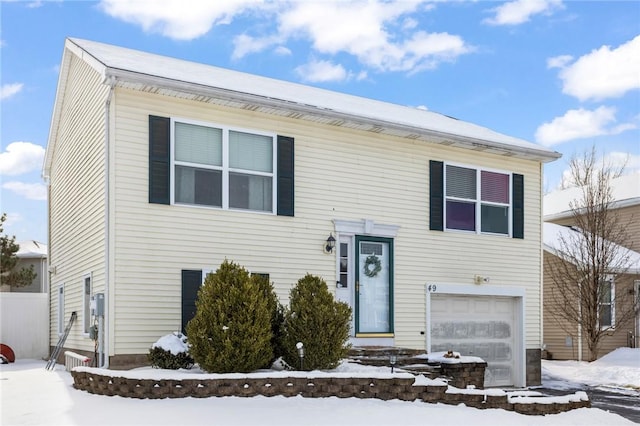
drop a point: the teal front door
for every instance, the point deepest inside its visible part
(374, 286)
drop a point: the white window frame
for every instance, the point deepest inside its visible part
(612, 282)
(86, 303)
(225, 168)
(478, 202)
(61, 324)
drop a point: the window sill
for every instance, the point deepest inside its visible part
(360, 335)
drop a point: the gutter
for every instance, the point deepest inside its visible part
(330, 114)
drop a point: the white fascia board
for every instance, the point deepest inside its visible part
(270, 102)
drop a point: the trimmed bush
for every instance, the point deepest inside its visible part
(317, 320)
(171, 352)
(277, 318)
(232, 327)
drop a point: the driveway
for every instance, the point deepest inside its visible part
(622, 402)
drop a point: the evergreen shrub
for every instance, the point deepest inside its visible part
(232, 327)
(171, 352)
(317, 320)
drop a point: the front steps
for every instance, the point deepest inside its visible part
(408, 360)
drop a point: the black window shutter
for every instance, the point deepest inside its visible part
(518, 206)
(286, 189)
(191, 282)
(159, 159)
(436, 195)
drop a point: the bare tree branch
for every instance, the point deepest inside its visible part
(591, 254)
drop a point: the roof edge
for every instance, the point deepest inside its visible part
(543, 155)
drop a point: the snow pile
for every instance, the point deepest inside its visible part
(620, 368)
(446, 358)
(175, 343)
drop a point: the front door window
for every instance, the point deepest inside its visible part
(374, 285)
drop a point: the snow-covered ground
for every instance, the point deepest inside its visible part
(616, 371)
(30, 395)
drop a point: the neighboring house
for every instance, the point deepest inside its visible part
(159, 169)
(558, 217)
(32, 253)
(24, 311)
(625, 191)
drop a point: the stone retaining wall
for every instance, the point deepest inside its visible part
(402, 388)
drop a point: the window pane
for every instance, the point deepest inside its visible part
(605, 292)
(461, 215)
(250, 192)
(461, 182)
(250, 152)
(494, 219)
(198, 186)
(605, 316)
(495, 187)
(198, 144)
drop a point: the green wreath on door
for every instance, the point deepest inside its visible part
(372, 266)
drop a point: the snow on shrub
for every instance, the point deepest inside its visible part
(171, 352)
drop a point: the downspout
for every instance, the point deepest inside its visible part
(580, 323)
(541, 296)
(104, 353)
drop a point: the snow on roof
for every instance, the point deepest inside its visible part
(625, 190)
(30, 249)
(136, 66)
(553, 234)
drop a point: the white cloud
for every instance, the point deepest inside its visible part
(603, 73)
(245, 44)
(282, 51)
(321, 71)
(580, 123)
(373, 32)
(615, 160)
(520, 11)
(380, 34)
(31, 191)
(559, 61)
(9, 90)
(175, 18)
(21, 157)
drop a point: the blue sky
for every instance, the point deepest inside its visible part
(563, 74)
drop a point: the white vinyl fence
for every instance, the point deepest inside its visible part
(24, 324)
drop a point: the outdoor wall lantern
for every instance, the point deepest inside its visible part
(330, 244)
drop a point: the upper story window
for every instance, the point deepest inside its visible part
(477, 200)
(223, 167)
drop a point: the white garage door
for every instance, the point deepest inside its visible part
(482, 326)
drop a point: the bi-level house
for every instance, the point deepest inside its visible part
(159, 169)
(560, 340)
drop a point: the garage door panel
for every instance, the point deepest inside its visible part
(460, 306)
(484, 329)
(504, 306)
(481, 306)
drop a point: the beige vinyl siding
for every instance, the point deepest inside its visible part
(629, 217)
(339, 174)
(561, 339)
(76, 198)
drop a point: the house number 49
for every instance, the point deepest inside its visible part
(431, 288)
